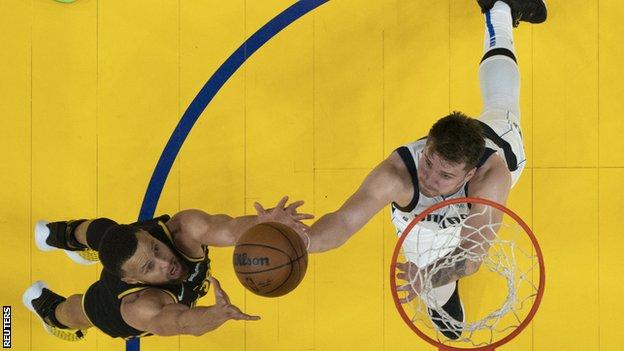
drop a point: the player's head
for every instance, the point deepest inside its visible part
(135, 256)
(454, 146)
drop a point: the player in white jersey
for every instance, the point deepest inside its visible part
(460, 157)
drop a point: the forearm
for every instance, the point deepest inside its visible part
(452, 272)
(200, 320)
(473, 247)
(239, 225)
(329, 232)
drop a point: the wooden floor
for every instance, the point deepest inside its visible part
(91, 91)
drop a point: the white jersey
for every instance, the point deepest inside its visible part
(436, 236)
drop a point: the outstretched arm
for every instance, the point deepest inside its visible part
(223, 230)
(155, 312)
(381, 186)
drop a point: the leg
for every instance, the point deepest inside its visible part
(63, 318)
(500, 79)
(71, 314)
(447, 299)
(80, 233)
(498, 74)
(90, 233)
(79, 238)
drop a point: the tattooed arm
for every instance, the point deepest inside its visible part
(451, 272)
(492, 182)
(461, 262)
(458, 269)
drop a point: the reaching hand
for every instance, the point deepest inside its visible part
(286, 215)
(222, 301)
(414, 276)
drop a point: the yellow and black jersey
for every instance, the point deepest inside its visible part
(102, 301)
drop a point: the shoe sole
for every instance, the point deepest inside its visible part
(74, 256)
(541, 20)
(41, 235)
(33, 292)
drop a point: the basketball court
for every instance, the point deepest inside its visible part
(93, 90)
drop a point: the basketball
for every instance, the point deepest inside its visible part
(270, 259)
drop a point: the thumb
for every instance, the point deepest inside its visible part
(219, 298)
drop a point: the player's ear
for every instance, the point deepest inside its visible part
(130, 280)
(471, 173)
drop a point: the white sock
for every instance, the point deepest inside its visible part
(498, 74)
(498, 28)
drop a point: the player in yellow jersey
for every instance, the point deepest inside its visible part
(154, 272)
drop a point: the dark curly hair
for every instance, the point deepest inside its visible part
(457, 138)
(118, 244)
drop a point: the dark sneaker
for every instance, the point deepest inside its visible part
(452, 329)
(42, 301)
(532, 11)
(56, 236)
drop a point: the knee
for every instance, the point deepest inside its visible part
(96, 230)
(73, 312)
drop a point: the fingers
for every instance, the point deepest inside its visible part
(302, 216)
(214, 282)
(217, 288)
(220, 295)
(410, 296)
(280, 204)
(225, 297)
(261, 211)
(402, 266)
(236, 314)
(407, 266)
(292, 210)
(409, 277)
(405, 287)
(245, 317)
(248, 318)
(293, 206)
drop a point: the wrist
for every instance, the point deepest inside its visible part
(307, 241)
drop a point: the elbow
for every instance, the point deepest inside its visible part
(163, 331)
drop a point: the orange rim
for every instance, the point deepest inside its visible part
(538, 252)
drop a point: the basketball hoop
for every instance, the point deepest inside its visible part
(445, 234)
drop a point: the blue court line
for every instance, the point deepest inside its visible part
(203, 98)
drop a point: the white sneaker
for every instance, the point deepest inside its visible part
(42, 232)
(39, 299)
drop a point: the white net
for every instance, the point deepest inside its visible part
(495, 300)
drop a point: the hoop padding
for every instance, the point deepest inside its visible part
(448, 249)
